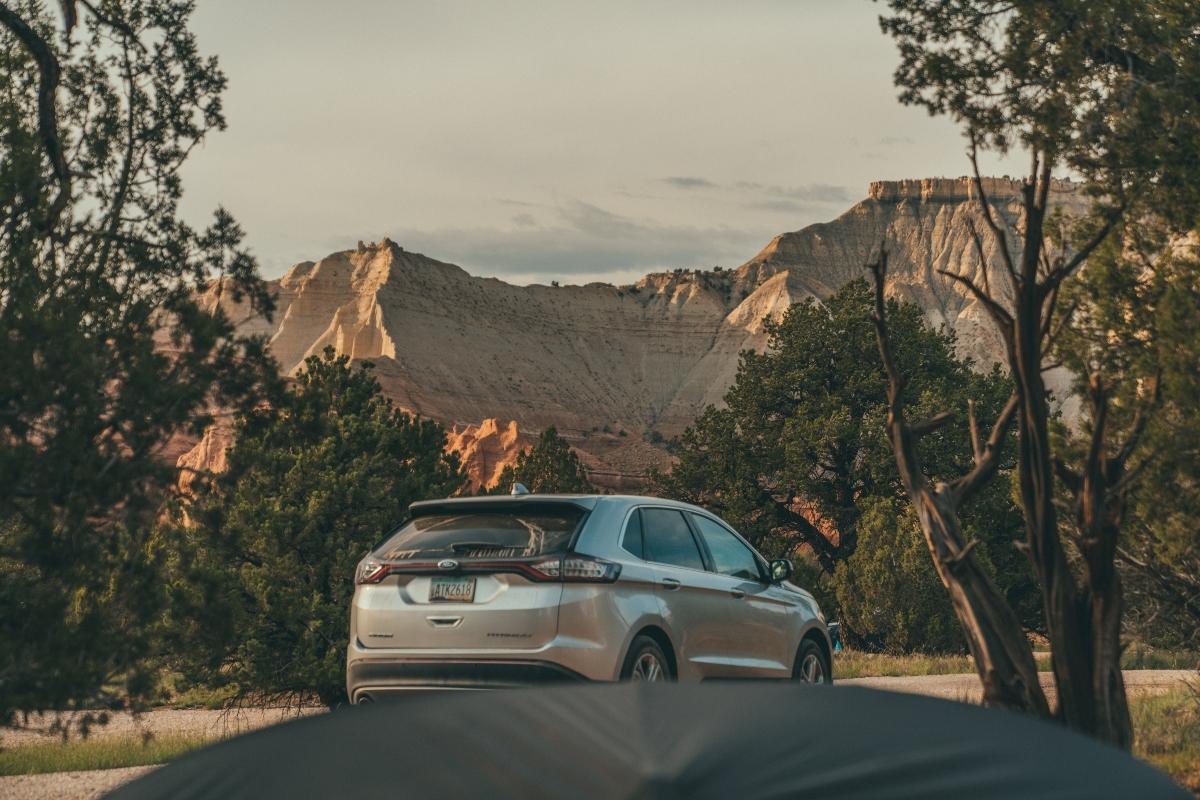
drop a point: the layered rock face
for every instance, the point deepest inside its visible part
(206, 456)
(926, 226)
(487, 448)
(612, 366)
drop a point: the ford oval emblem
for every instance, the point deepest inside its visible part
(448, 564)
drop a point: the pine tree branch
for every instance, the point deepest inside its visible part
(987, 459)
(985, 206)
(997, 312)
(48, 78)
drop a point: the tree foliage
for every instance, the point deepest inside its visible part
(1109, 89)
(313, 482)
(107, 346)
(888, 596)
(801, 440)
(1135, 318)
(549, 467)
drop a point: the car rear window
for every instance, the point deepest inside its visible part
(517, 533)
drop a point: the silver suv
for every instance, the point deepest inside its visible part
(488, 592)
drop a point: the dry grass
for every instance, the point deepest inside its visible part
(1167, 733)
(95, 753)
(203, 697)
(855, 664)
(1140, 656)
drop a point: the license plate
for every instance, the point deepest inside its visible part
(452, 590)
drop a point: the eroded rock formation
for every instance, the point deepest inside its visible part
(487, 448)
(615, 368)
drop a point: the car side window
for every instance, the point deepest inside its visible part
(668, 540)
(632, 540)
(730, 556)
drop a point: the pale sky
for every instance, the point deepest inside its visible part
(556, 140)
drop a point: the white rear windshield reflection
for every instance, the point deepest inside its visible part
(515, 534)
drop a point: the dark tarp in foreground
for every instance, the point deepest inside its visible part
(661, 741)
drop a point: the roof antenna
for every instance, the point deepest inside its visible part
(519, 488)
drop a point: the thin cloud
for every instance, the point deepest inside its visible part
(798, 195)
(585, 241)
(509, 201)
(690, 182)
(811, 192)
(780, 204)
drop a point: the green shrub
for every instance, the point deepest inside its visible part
(269, 548)
(888, 594)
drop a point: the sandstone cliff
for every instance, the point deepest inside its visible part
(206, 455)
(486, 449)
(616, 367)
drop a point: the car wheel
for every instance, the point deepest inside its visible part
(811, 664)
(646, 662)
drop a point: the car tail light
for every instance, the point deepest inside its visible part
(570, 568)
(577, 569)
(371, 572)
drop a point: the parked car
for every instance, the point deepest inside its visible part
(506, 591)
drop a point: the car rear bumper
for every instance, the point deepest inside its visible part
(372, 679)
(382, 671)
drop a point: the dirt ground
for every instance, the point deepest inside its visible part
(68, 785)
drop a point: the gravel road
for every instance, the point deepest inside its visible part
(67, 785)
(80, 785)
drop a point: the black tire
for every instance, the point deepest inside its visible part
(643, 653)
(811, 662)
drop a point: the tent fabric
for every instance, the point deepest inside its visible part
(659, 741)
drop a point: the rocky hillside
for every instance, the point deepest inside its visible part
(616, 368)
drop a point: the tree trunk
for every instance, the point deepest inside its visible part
(1112, 722)
(1003, 657)
(1083, 625)
(1099, 509)
(1060, 597)
(1002, 654)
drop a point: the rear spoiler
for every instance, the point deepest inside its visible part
(501, 503)
(498, 503)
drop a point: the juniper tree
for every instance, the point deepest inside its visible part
(1110, 91)
(109, 345)
(799, 451)
(267, 549)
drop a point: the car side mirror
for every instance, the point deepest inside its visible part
(781, 570)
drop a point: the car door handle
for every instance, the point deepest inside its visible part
(670, 584)
(738, 594)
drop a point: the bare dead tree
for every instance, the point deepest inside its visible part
(1100, 491)
(1111, 98)
(1003, 656)
(1083, 622)
(1082, 616)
